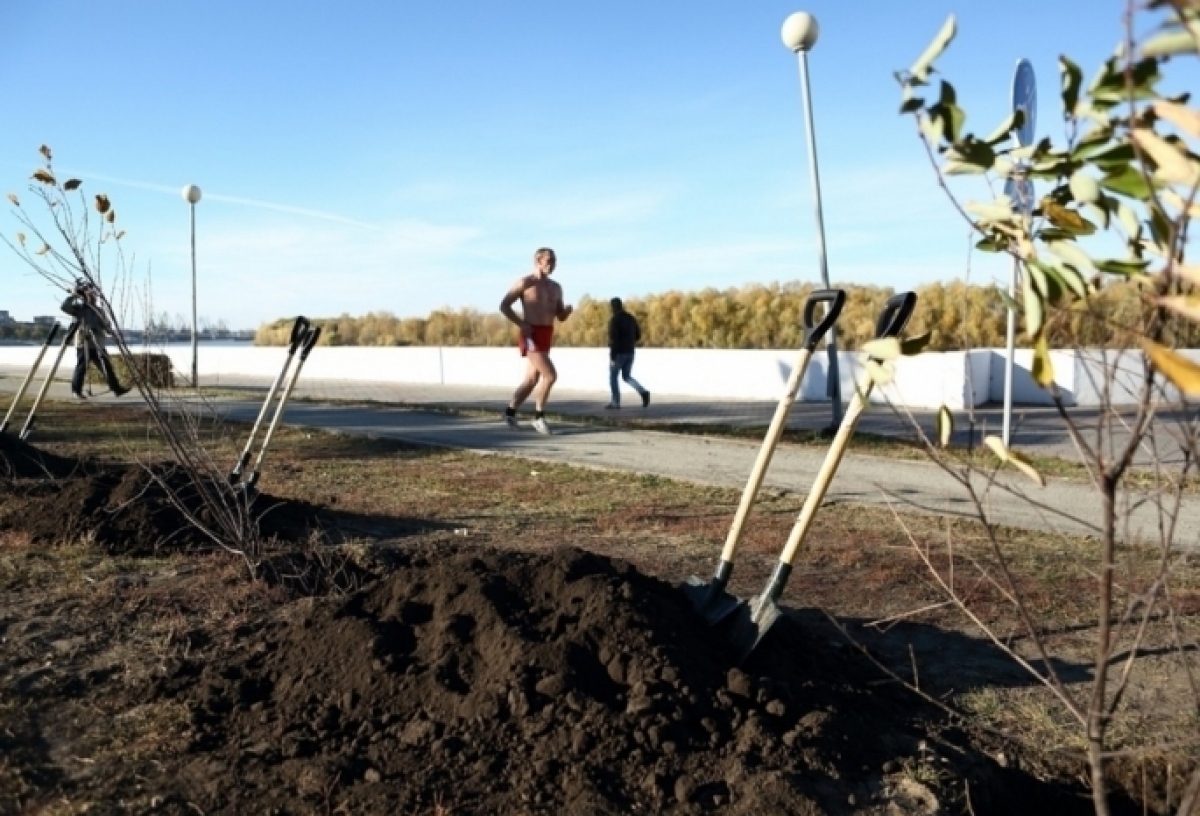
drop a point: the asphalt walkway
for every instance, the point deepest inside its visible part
(416, 414)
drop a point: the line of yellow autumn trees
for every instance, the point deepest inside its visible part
(756, 316)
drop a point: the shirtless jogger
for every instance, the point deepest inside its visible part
(541, 302)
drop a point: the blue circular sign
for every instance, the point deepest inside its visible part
(1024, 99)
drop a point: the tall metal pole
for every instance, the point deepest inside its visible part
(195, 356)
(191, 194)
(833, 381)
(1010, 342)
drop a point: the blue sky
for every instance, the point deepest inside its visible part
(407, 156)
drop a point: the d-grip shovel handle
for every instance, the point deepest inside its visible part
(895, 314)
(299, 328)
(836, 299)
(892, 321)
(310, 340)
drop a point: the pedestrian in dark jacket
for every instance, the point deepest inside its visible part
(623, 336)
(90, 330)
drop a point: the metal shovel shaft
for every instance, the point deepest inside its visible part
(29, 377)
(298, 330)
(310, 340)
(244, 459)
(62, 349)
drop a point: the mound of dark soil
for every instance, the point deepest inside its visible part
(20, 460)
(484, 681)
(132, 509)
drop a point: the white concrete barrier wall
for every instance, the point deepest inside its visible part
(954, 379)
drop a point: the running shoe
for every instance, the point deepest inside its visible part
(645, 398)
(539, 425)
(612, 407)
(511, 421)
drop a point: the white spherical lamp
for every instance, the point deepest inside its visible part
(799, 31)
(191, 194)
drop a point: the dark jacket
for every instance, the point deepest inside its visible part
(93, 326)
(623, 333)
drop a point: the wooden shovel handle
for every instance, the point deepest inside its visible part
(770, 442)
(892, 320)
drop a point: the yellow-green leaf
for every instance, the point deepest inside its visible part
(882, 348)
(1043, 370)
(45, 248)
(932, 128)
(881, 373)
(1001, 209)
(915, 345)
(1181, 116)
(120, 235)
(1191, 274)
(21, 238)
(1034, 312)
(1066, 219)
(1186, 305)
(997, 446)
(1021, 462)
(1008, 300)
(945, 426)
(1173, 166)
(1176, 200)
(13, 198)
(1073, 279)
(1003, 131)
(1168, 43)
(920, 68)
(1070, 252)
(1180, 371)
(1016, 459)
(1084, 188)
(1128, 219)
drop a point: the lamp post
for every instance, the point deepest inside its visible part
(799, 34)
(191, 194)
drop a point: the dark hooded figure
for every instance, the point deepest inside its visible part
(90, 330)
(623, 336)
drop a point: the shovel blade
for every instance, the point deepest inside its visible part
(749, 623)
(710, 599)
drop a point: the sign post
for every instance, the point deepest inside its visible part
(1020, 189)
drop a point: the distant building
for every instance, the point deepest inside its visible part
(43, 320)
(6, 319)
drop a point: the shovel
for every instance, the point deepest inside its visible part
(29, 377)
(711, 599)
(753, 619)
(299, 328)
(308, 340)
(37, 402)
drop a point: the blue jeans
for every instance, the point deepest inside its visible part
(622, 364)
